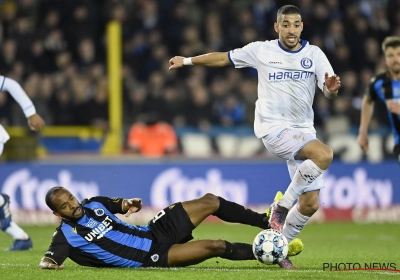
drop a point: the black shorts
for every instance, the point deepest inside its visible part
(170, 226)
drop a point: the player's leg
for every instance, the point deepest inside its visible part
(198, 251)
(300, 214)
(21, 238)
(209, 204)
(317, 158)
(289, 143)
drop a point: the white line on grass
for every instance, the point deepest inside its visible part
(264, 270)
(14, 264)
(236, 269)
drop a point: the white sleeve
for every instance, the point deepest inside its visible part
(19, 95)
(246, 56)
(321, 67)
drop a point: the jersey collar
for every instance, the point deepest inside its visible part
(303, 44)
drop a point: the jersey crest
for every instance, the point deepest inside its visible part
(306, 63)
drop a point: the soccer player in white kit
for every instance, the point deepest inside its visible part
(288, 69)
(35, 122)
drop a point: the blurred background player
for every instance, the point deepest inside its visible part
(284, 116)
(22, 240)
(385, 87)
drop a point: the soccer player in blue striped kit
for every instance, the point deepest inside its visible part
(91, 235)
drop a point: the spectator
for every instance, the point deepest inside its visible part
(97, 106)
(230, 111)
(152, 138)
(199, 109)
(62, 108)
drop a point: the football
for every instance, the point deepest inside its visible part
(270, 246)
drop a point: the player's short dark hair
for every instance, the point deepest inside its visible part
(287, 10)
(390, 41)
(49, 196)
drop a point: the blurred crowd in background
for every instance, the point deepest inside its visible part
(56, 49)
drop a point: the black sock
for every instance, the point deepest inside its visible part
(238, 252)
(234, 213)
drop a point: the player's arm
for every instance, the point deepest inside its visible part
(118, 205)
(367, 111)
(327, 80)
(332, 85)
(47, 263)
(393, 106)
(35, 122)
(57, 252)
(132, 205)
(215, 59)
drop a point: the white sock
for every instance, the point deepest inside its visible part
(295, 222)
(305, 174)
(1, 148)
(16, 232)
(1, 200)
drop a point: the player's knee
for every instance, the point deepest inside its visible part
(216, 247)
(308, 208)
(211, 201)
(325, 157)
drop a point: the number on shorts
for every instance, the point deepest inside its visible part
(158, 215)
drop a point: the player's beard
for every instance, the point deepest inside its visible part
(291, 45)
(395, 68)
(73, 217)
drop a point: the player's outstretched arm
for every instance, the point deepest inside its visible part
(46, 263)
(332, 85)
(215, 59)
(132, 205)
(35, 122)
(367, 111)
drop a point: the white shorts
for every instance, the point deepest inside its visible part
(286, 142)
(3, 135)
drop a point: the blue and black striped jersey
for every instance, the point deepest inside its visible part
(384, 88)
(100, 239)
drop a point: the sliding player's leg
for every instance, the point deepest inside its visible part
(228, 211)
(198, 251)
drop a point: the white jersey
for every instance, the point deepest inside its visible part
(286, 83)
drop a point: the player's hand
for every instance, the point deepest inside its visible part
(176, 62)
(134, 204)
(332, 83)
(393, 107)
(48, 264)
(363, 142)
(36, 122)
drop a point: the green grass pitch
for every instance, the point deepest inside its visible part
(324, 243)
